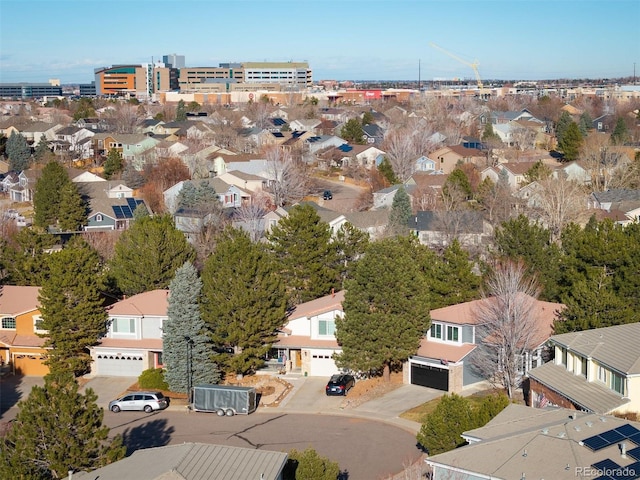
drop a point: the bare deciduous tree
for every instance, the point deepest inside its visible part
(601, 160)
(523, 137)
(250, 216)
(401, 153)
(560, 202)
(288, 181)
(123, 117)
(507, 322)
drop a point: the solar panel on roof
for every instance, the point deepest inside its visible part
(278, 134)
(126, 211)
(132, 203)
(117, 210)
(596, 443)
(634, 453)
(635, 438)
(605, 465)
(629, 472)
(627, 430)
(612, 436)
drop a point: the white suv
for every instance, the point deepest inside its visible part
(147, 401)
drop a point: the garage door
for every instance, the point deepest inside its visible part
(322, 366)
(30, 365)
(430, 376)
(119, 365)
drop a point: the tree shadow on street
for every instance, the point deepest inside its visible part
(150, 434)
(10, 391)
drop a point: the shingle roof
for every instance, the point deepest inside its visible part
(16, 300)
(154, 302)
(617, 195)
(319, 305)
(591, 396)
(618, 346)
(535, 443)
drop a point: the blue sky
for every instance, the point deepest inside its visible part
(343, 40)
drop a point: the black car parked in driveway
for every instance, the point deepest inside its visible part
(327, 195)
(340, 384)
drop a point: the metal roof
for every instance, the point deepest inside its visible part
(193, 461)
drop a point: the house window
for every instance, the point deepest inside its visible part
(617, 383)
(452, 334)
(436, 330)
(583, 367)
(602, 374)
(124, 325)
(9, 322)
(37, 325)
(99, 217)
(159, 362)
(564, 357)
(326, 327)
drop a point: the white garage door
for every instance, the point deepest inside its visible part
(118, 365)
(322, 365)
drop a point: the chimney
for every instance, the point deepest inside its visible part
(623, 449)
(333, 292)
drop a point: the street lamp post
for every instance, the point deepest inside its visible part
(189, 369)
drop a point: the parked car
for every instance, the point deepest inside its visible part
(340, 384)
(327, 195)
(146, 401)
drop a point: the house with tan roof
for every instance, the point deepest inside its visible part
(133, 342)
(448, 158)
(21, 346)
(443, 359)
(595, 370)
(553, 443)
(307, 342)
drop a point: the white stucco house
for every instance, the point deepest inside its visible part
(307, 342)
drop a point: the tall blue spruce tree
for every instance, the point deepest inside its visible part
(183, 337)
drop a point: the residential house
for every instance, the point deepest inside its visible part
(553, 443)
(36, 132)
(10, 181)
(95, 124)
(604, 123)
(366, 156)
(372, 134)
(135, 148)
(444, 361)
(133, 342)
(440, 228)
(74, 140)
(499, 117)
(372, 222)
(383, 199)
(111, 205)
(246, 181)
(425, 189)
(24, 190)
(574, 171)
(305, 125)
(193, 461)
(513, 173)
(318, 143)
(448, 158)
(307, 342)
(594, 370)
(424, 164)
(20, 325)
(334, 114)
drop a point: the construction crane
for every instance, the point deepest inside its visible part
(473, 65)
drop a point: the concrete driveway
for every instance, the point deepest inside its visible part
(108, 388)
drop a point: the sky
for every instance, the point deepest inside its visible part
(341, 40)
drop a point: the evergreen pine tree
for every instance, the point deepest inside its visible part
(350, 243)
(43, 152)
(72, 309)
(57, 430)
(571, 142)
(386, 170)
(442, 429)
(620, 133)
(244, 300)
(48, 194)
(521, 239)
(309, 465)
(386, 307)
(25, 259)
(148, 254)
(453, 280)
(73, 211)
(113, 164)
(184, 335)
(181, 111)
(561, 126)
(19, 152)
(585, 123)
(302, 246)
(352, 132)
(400, 213)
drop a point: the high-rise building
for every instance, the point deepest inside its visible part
(173, 60)
(140, 81)
(30, 90)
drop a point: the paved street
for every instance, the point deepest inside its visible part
(369, 442)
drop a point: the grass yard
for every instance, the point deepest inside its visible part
(417, 414)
